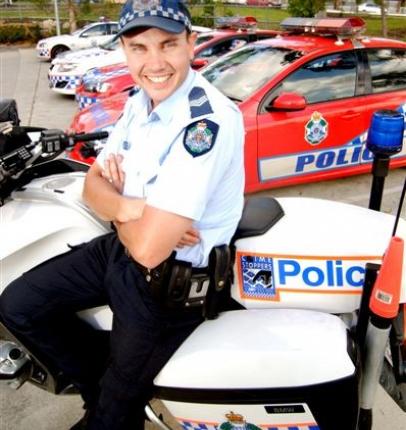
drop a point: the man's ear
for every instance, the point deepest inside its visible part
(192, 40)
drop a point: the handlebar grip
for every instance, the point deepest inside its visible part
(86, 137)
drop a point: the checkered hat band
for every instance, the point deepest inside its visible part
(159, 11)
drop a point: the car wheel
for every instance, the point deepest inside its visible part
(57, 50)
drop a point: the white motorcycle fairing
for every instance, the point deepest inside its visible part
(42, 220)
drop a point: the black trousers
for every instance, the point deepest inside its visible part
(40, 309)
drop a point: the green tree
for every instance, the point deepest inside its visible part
(305, 8)
(72, 15)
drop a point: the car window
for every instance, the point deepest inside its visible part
(242, 72)
(326, 78)
(388, 69)
(80, 30)
(96, 30)
(222, 48)
(113, 28)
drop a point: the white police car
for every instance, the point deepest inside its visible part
(91, 35)
(66, 71)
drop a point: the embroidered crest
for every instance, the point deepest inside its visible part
(200, 137)
(199, 103)
(316, 130)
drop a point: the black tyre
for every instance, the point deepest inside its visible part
(57, 50)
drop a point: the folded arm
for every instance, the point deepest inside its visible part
(104, 196)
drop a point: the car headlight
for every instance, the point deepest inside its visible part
(42, 45)
(67, 67)
(102, 87)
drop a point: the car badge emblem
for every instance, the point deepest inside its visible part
(237, 422)
(316, 129)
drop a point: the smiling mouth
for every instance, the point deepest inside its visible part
(158, 79)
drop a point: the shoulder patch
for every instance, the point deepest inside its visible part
(200, 137)
(199, 103)
(134, 90)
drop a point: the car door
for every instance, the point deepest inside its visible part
(386, 87)
(320, 138)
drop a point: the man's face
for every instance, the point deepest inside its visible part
(158, 61)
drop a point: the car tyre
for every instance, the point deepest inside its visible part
(57, 50)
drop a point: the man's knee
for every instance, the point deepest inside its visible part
(15, 310)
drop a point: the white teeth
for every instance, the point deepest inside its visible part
(158, 79)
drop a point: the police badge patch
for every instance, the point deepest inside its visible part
(316, 129)
(200, 137)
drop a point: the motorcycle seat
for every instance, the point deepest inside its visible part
(258, 216)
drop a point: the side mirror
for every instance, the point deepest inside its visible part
(288, 102)
(198, 63)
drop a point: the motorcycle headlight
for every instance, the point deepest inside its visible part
(67, 67)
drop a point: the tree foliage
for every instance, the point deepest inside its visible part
(305, 8)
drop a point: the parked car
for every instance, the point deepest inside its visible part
(67, 70)
(307, 100)
(92, 35)
(232, 33)
(369, 7)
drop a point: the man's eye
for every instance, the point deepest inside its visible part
(170, 44)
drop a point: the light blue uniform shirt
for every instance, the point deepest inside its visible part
(207, 188)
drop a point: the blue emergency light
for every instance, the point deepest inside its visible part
(385, 134)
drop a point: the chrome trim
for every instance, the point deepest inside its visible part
(155, 419)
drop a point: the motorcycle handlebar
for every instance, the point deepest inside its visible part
(86, 137)
(51, 143)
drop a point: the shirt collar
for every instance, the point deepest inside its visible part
(166, 109)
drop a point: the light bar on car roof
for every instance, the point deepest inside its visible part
(236, 22)
(338, 26)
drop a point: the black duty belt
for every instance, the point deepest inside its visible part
(175, 283)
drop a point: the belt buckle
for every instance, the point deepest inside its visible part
(199, 286)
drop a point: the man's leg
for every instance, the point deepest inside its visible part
(40, 308)
(143, 339)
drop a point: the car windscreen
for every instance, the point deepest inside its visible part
(239, 74)
(201, 38)
(77, 32)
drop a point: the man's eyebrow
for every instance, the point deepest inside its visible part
(133, 44)
(170, 39)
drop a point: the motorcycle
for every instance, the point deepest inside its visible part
(318, 293)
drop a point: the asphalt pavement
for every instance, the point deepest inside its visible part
(23, 77)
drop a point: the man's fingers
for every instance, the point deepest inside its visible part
(114, 170)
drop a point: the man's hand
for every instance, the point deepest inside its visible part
(190, 238)
(103, 192)
(113, 172)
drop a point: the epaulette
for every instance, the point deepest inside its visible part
(134, 90)
(199, 103)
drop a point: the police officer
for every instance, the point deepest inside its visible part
(171, 179)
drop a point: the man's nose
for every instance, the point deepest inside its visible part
(155, 58)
